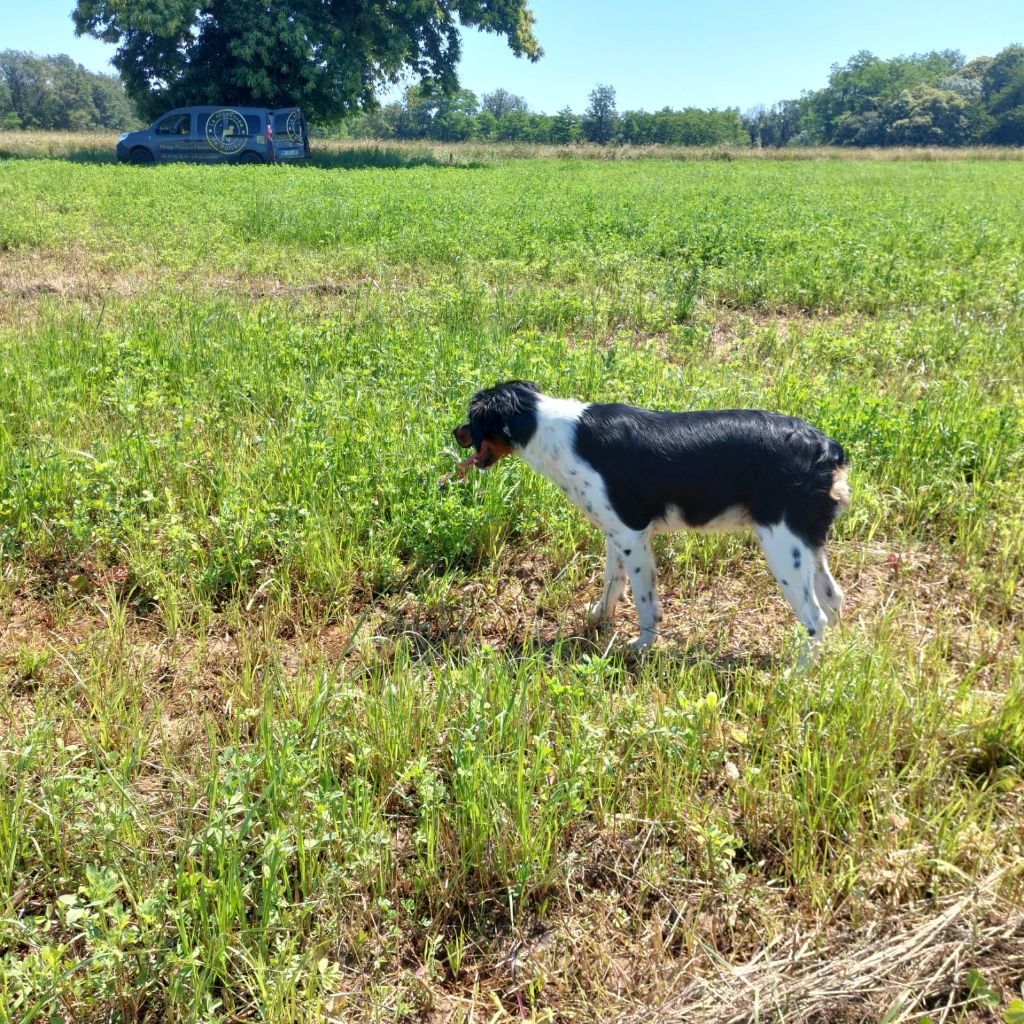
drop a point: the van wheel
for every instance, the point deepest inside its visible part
(249, 157)
(140, 155)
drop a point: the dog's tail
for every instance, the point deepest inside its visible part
(840, 490)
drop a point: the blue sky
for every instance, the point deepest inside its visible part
(658, 52)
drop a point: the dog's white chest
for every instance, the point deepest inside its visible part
(551, 452)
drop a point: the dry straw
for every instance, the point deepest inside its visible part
(913, 963)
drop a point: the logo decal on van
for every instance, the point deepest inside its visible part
(293, 126)
(226, 131)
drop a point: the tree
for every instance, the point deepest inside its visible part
(376, 123)
(514, 127)
(486, 124)
(429, 114)
(502, 102)
(454, 116)
(9, 118)
(933, 117)
(57, 93)
(790, 122)
(69, 104)
(1002, 84)
(600, 118)
(688, 127)
(330, 57)
(866, 84)
(565, 127)
(26, 79)
(864, 129)
(113, 108)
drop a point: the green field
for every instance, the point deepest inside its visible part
(289, 734)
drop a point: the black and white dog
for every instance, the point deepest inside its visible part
(634, 472)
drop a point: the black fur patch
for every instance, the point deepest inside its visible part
(776, 467)
(507, 412)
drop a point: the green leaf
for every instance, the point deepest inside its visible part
(1014, 1013)
(978, 989)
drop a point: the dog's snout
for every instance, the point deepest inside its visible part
(462, 436)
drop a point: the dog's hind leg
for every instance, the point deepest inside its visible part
(827, 591)
(792, 563)
(614, 584)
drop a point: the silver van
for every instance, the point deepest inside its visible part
(214, 135)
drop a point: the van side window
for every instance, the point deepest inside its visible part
(175, 124)
(255, 123)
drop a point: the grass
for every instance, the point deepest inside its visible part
(291, 734)
(98, 147)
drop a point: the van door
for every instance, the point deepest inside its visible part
(258, 137)
(291, 137)
(172, 137)
(221, 135)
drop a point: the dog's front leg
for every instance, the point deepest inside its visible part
(643, 581)
(614, 583)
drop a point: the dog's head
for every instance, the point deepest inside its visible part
(501, 419)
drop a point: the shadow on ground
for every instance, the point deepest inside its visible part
(542, 639)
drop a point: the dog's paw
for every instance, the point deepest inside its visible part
(642, 643)
(597, 613)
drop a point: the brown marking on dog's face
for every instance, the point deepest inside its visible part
(491, 450)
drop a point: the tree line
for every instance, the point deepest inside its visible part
(927, 99)
(57, 93)
(501, 116)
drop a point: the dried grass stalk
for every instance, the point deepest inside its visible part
(894, 971)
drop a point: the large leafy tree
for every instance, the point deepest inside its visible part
(924, 116)
(330, 55)
(601, 117)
